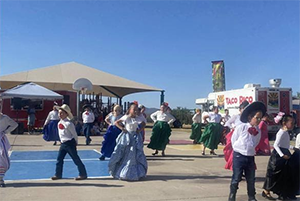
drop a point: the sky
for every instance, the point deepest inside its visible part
(164, 44)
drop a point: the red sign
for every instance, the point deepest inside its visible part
(239, 100)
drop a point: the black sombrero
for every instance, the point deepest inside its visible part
(87, 106)
(255, 106)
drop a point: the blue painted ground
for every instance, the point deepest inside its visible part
(26, 165)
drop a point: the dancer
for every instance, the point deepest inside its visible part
(196, 127)
(7, 125)
(212, 133)
(232, 123)
(294, 163)
(69, 141)
(244, 140)
(111, 134)
(263, 148)
(278, 175)
(161, 130)
(88, 119)
(226, 116)
(142, 109)
(50, 129)
(128, 161)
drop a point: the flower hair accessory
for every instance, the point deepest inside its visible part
(166, 104)
(135, 102)
(279, 116)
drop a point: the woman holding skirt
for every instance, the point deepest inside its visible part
(213, 131)
(109, 143)
(232, 123)
(161, 130)
(7, 125)
(50, 129)
(196, 127)
(263, 148)
(128, 161)
(279, 175)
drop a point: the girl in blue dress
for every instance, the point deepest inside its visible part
(128, 161)
(112, 133)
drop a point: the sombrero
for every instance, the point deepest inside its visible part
(87, 106)
(67, 109)
(255, 106)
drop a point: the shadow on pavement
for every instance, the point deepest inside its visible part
(181, 157)
(49, 184)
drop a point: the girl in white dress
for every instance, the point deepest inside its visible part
(7, 125)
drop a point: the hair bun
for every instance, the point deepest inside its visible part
(279, 116)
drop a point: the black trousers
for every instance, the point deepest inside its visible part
(242, 164)
(69, 147)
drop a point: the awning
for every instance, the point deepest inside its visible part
(31, 91)
(62, 76)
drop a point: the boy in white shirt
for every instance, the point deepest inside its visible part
(244, 140)
(69, 141)
(88, 119)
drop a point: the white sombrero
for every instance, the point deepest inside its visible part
(67, 109)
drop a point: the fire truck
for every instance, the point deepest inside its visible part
(276, 99)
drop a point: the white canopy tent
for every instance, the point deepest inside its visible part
(31, 91)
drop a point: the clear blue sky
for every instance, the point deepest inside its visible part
(165, 44)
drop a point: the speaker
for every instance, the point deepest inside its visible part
(19, 130)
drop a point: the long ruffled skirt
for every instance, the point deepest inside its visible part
(4, 158)
(196, 132)
(212, 135)
(228, 151)
(278, 174)
(50, 131)
(161, 132)
(109, 143)
(128, 161)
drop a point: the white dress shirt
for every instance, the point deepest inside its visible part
(226, 118)
(243, 142)
(214, 118)
(7, 124)
(67, 131)
(234, 121)
(282, 141)
(88, 117)
(297, 143)
(162, 116)
(131, 124)
(53, 115)
(197, 119)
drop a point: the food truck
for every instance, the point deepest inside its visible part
(274, 97)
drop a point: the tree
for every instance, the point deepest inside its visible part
(183, 115)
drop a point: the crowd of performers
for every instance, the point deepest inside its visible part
(245, 135)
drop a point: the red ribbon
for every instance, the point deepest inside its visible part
(61, 126)
(252, 131)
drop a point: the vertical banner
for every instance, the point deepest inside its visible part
(218, 73)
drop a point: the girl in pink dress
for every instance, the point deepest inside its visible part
(232, 123)
(263, 148)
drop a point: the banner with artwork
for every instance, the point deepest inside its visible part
(218, 74)
(273, 101)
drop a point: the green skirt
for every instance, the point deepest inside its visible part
(160, 136)
(196, 132)
(212, 135)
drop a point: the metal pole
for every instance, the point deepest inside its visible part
(78, 100)
(120, 101)
(162, 96)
